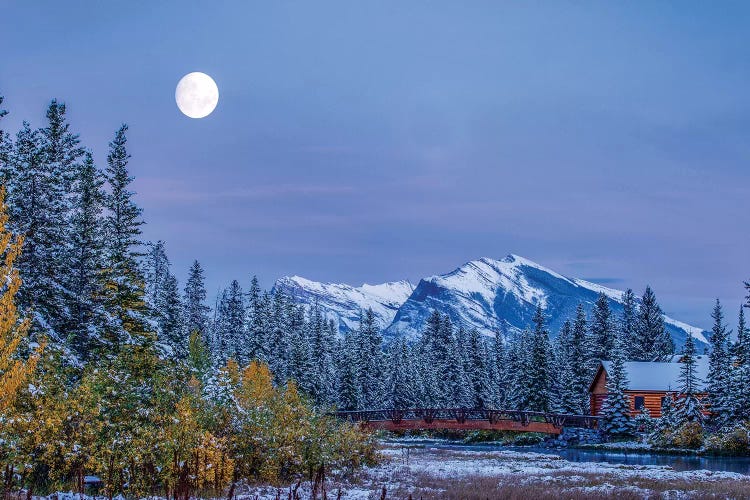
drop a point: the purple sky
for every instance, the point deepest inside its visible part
(606, 140)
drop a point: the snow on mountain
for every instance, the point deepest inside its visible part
(487, 294)
(343, 303)
(502, 296)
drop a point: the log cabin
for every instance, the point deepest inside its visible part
(648, 383)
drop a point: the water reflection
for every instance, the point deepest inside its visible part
(677, 462)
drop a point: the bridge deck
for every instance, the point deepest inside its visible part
(468, 419)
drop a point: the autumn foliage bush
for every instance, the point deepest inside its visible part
(733, 440)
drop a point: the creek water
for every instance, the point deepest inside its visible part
(740, 465)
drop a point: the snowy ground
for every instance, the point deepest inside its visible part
(422, 471)
(426, 472)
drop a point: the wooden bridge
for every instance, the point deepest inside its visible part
(468, 419)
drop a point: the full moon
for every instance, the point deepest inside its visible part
(196, 95)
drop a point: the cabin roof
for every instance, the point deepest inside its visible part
(660, 376)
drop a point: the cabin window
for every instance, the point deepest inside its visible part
(640, 402)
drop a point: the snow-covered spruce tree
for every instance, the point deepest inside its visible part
(431, 352)
(740, 375)
(278, 337)
(498, 356)
(371, 380)
(62, 157)
(457, 390)
(477, 371)
(616, 420)
(602, 330)
(689, 408)
(195, 311)
(582, 366)
(652, 341)
(565, 396)
(169, 322)
(520, 366)
(30, 189)
(300, 364)
(400, 383)
(156, 268)
(668, 422)
(348, 373)
(5, 148)
(232, 324)
(86, 260)
(718, 384)
(539, 375)
(627, 324)
(123, 282)
(322, 338)
(163, 298)
(255, 323)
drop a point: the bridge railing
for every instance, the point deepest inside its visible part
(462, 415)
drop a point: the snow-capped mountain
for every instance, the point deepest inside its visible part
(502, 295)
(343, 303)
(487, 294)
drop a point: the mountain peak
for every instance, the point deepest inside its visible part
(343, 303)
(488, 294)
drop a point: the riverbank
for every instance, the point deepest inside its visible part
(430, 471)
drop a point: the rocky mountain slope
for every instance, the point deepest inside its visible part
(487, 294)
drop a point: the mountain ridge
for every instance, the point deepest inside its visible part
(488, 294)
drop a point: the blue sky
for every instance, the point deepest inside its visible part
(365, 142)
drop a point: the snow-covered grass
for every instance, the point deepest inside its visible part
(413, 468)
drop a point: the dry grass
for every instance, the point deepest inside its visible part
(560, 486)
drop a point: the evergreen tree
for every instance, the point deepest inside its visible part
(370, 362)
(232, 325)
(521, 369)
(194, 302)
(602, 330)
(668, 421)
(741, 372)
(539, 376)
(582, 367)
(628, 322)
(300, 365)
(431, 356)
(5, 149)
(477, 372)
(124, 284)
(457, 390)
(652, 341)
(29, 210)
(278, 336)
(86, 260)
(62, 155)
(348, 398)
(501, 371)
(690, 408)
(616, 419)
(565, 394)
(255, 341)
(400, 377)
(156, 272)
(169, 323)
(718, 381)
